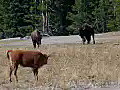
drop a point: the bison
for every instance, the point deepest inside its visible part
(36, 38)
(25, 58)
(86, 32)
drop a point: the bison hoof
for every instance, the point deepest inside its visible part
(10, 81)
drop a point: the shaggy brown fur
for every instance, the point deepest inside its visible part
(33, 59)
(36, 38)
(86, 34)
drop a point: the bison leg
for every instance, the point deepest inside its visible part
(35, 71)
(34, 44)
(38, 44)
(11, 70)
(15, 72)
(88, 39)
(93, 39)
(83, 40)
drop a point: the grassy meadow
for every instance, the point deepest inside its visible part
(71, 66)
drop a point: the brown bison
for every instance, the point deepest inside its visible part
(86, 32)
(33, 59)
(36, 38)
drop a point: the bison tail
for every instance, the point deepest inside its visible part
(8, 53)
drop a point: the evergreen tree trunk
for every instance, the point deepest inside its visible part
(47, 27)
(43, 17)
(46, 20)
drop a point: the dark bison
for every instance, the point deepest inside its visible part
(33, 59)
(86, 32)
(36, 37)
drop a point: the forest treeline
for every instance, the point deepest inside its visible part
(57, 17)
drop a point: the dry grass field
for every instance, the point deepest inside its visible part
(72, 67)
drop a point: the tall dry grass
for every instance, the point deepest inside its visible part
(71, 66)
